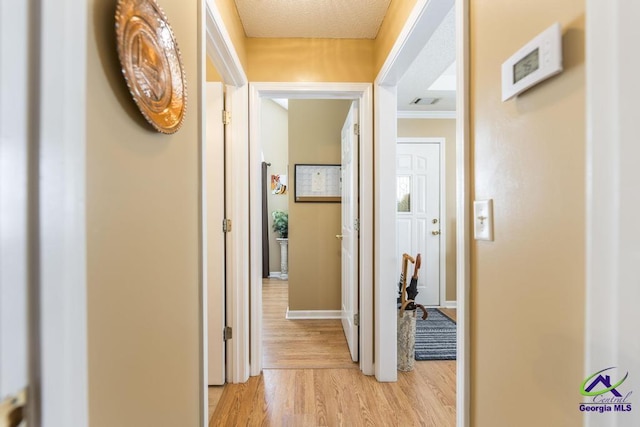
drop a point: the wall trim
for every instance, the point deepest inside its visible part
(274, 275)
(237, 208)
(612, 232)
(386, 267)
(59, 119)
(464, 195)
(450, 304)
(220, 48)
(313, 314)
(427, 114)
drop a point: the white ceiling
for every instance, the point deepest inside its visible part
(342, 19)
(434, 66)
(431, 75)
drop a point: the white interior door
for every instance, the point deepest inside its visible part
(214, 239)
(14, 96)
(418, 214)
(350, 230)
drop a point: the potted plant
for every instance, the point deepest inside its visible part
(281, 223)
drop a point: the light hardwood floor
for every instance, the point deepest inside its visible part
(320, 388)
(295, 344)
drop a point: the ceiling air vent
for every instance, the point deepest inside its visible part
(424, 101)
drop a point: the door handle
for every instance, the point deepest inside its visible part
(339, 236)
(436, 232)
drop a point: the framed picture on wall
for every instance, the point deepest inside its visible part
(318, 183)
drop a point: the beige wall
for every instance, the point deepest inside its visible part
(314, 251)
(392, 24)
(142, 240)
(310, 60)
(441, 128)
(233, 24)
(528, 286)
(275, 147)
(212, 72)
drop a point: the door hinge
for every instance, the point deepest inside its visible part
(356, 225)
(12, 409)
(226, 117)
(227, 333)
(226, 225)
(356, 319)
(356, 129)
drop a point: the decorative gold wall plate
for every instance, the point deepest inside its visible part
(151, 63)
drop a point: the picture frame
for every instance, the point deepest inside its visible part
(318, 183)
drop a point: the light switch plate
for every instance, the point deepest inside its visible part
(483, 219)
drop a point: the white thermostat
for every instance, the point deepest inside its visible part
(536, 61)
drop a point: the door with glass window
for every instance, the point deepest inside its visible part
(418, 214)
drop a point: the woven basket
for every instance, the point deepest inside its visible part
(406, 340)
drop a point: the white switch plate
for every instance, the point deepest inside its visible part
(483, 219)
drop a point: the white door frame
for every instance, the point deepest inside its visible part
(219, 48)
(443, 209)
(362, 92)
(612, 232)
(421, 23)
(57, 267)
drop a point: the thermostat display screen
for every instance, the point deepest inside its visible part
(526, 66)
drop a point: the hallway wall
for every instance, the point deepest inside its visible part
(232, 22)
(528, 286)
(142, 240)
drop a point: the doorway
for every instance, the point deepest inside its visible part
(416, 33)
(326, 91)
(421, 228)
(311, 300)
(383, 265)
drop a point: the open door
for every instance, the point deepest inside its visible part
(214, 238)
(350, 230)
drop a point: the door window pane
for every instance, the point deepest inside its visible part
(403, 193)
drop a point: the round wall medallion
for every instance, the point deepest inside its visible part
(151, 63)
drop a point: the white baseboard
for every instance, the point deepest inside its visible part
(450, 304)
(313, 314)
(274, 275)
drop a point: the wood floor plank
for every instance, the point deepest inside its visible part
(304, 395)
(299, 344)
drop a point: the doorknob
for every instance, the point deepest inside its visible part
(339, 236)
(436, 232)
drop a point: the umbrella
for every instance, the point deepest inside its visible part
(412, 289)
(402, 284)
